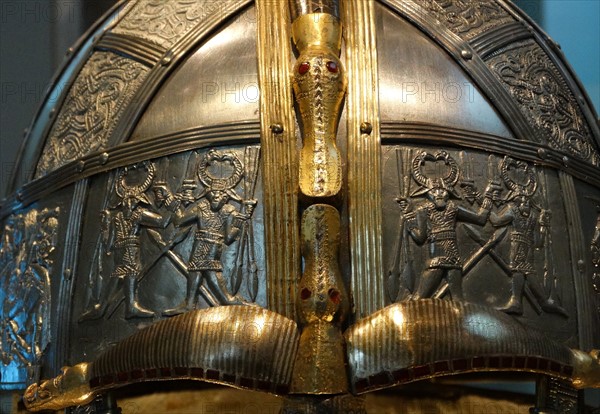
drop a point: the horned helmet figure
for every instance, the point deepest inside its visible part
(521, 180)
(219, 190)
(437, 188)
(132, 194)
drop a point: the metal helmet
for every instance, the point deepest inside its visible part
(257, 194)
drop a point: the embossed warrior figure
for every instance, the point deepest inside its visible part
(526, 234)
(434, 223)
(122, 235)
(218, 225)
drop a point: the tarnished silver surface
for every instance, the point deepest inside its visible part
(104, 87)
(466, 218)
(216, 84)
(26, 259)
(166, 236)
(490, 230)
(436, 92)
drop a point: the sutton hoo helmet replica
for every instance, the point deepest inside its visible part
(312, 198)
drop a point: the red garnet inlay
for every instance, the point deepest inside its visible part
(303, 68)
(334, 295)
(305, 293)
(332, 67)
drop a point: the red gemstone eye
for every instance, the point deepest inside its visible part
(332, 67)
(305, 293)
(303, 68)
(334, 295)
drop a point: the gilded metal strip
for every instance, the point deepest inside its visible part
(583, 289)
(423, 133)
(67, 281)
(129, 153)
(280, 158)
(364, 156)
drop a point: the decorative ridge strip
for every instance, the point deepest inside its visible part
(252, 335)
(279, 145)
(584, 293)
(132, 47)
(364, 156)
(21, 164)
(393, 132)
(488, 42)
(131, 152)
(61, 325)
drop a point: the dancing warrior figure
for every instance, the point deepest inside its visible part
(434, 223)
(218, 225)
(122, 236)
(526, 234)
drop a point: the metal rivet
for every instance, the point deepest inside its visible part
(366, 128)
(80, 166)
(565, 160)
(277, 128)
(166, 60)
(67, 274)
(52, 112)
(581, 265)
(542, 153)
(70, 51)
(466, 54)
(104, 158)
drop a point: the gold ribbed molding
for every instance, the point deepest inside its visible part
(279, 155)
(364, 156)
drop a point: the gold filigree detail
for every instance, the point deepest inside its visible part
(319, 85)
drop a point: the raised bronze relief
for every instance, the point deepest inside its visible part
(122, 226)
(199, 226)
(104, 87)
(26, 258)
(528, 230)
(164, 23)
(543, 96)
(468, 18)
(511, 230)
(434, 222)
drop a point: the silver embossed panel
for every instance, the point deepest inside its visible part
(165, 22)
(166, 236)
(542, 94)
(95, 102)
(480, 228)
